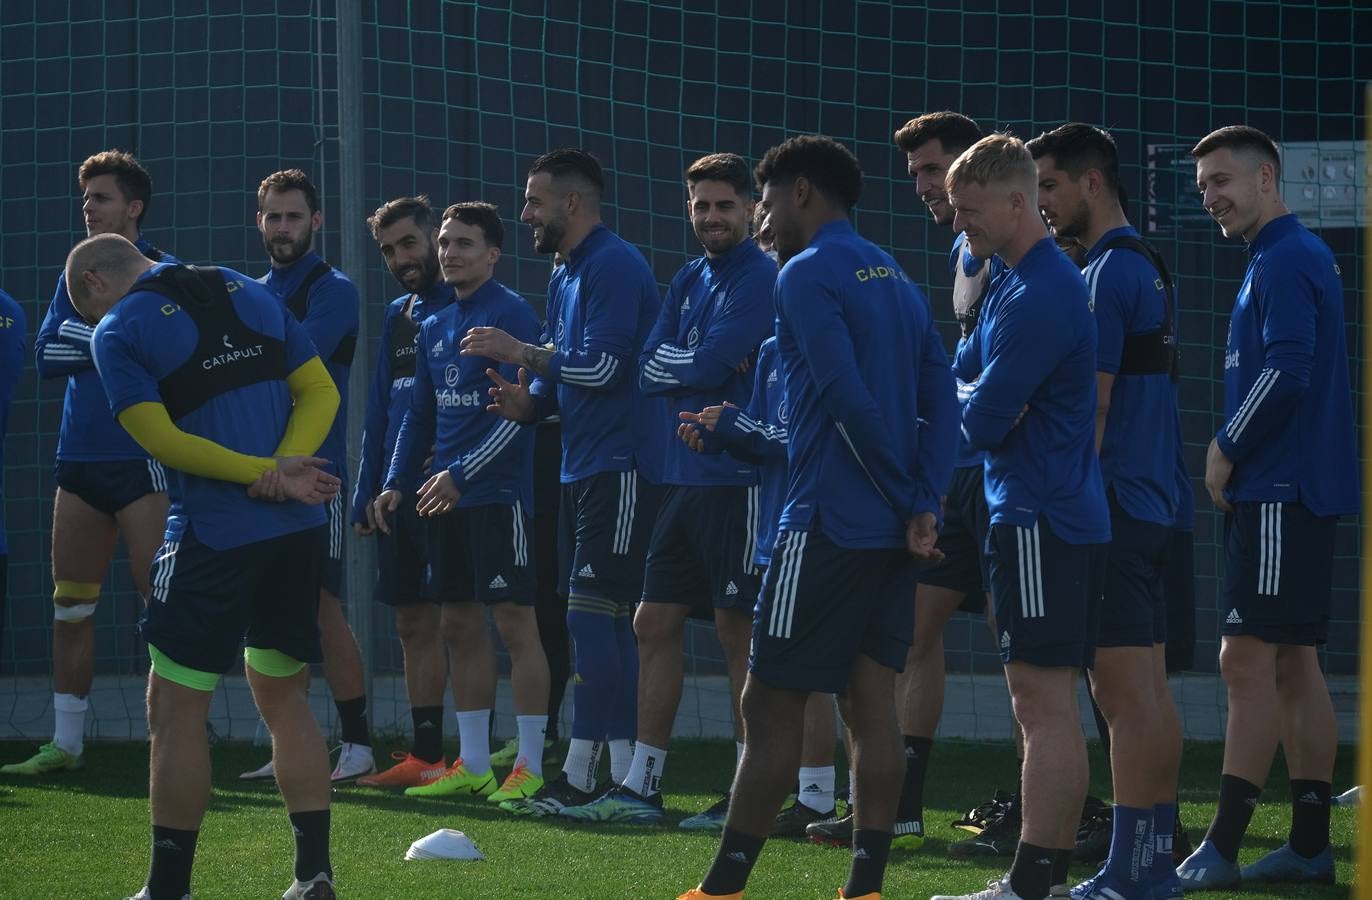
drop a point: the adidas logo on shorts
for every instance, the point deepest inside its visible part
(497, 583)
(731, 590)
(1004, 639)
(1234, 618)
(586, 571)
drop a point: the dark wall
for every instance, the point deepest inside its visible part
(460, 97)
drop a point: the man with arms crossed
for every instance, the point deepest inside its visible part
(107, 486)
(206, 370)
(1283, 469)
(872, 418)
(1136, 438)
(404, 230)
(1033, 358)
(602, 302)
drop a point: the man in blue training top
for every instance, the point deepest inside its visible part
(206, 370)
(602, 302)
(1136, 421)
(1032, 358)
(13, 333)
(480, 500)
(1283, 469)
(959, 583)
(700, 557)
(107, 486)
(404, 230)
(872, 424)
(326, 302)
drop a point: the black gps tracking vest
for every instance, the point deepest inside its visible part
(228, 354)
(299, 304)
(1151, 352)
(404, 333)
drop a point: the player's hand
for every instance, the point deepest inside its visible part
(1218, 470)
(362, 529)
(303, 479)
(690, 435)
(267, 487)
(512, 400)
(492, 343)
(921, 538)
(438, 495)
(707, 418)
(387, 502)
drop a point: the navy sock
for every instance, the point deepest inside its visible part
(870, 851)
(311, 843)
(734, 861)
(428, 732)
(173, 854)
(1309, 816)
(352, 719)
(1130, 855)
(1238, 800)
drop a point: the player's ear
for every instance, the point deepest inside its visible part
(259, 220)
(135, 209)
(801, 189)
(317, 220)
(494, 255)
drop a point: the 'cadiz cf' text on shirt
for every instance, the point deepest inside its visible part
(872, 408)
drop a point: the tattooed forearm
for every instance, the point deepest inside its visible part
(535, 359)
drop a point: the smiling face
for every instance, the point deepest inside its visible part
(410, 254)
(105, 209)
(718, 214)
(1231, 186)
(782, 218)
(287, 226)
(1062, 200)
(928, 166)
(987, 214)
(545, 211)
(465, 258)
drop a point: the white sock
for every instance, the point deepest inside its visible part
(621, 757)
(531, 732)
(645, 771)
(69, 714)
(583, 757)
(817, 788)
(474, 736)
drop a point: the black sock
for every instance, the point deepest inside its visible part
(311, 844)
(1238, 800)
(912, 791)
(1032, 873)
(352, 717)
(428, 732)
(1062, 861)
(173, 854)
(870, 851)
(1309, 816)
(734, 861)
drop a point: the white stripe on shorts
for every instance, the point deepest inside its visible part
(1269, 549)
(162, 566)
(750, 524)
(1030, 572)
(336, 526)
(624, 523)
(157, 476)
(788, 579)
(521, 543)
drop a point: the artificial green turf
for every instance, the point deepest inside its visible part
(85, 834)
